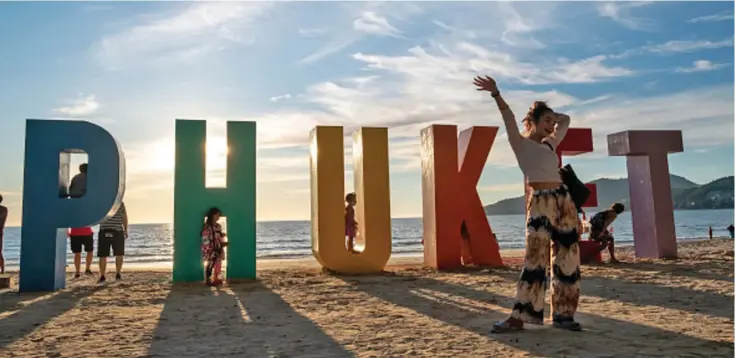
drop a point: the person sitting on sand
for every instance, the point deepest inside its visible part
(465, 246)
(213, 246)
(598, 229)
(350, 223)
(730, 228)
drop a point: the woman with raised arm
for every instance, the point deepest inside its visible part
(551, 228)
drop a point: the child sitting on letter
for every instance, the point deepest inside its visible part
(350, 223)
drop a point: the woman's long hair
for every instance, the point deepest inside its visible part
(534, 114)
(210, 216)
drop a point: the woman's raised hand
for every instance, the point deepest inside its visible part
(561, 117)
(486, 83)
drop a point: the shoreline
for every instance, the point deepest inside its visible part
(396, 260)
(17, 226)
(309, 262)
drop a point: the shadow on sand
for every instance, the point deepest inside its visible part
(433, 298)
(714, 269)
(628, 290)
(243, 319)
(44, 307)
(679, 298)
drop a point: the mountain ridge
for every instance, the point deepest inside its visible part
(685, 193)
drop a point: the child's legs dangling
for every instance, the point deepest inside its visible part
(565, 272)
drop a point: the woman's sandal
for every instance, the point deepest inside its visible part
(569, 325)
(504, 327)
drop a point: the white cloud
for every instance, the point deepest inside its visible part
(372, 23)
(675, 46)
(722, 16)
(358, 20)
(687, 46)
(703, 66)
(82, 106)
(620, 12)
(333, 46)
(466, 60)
(196, 30)
(703, 114)
(281, 97)
(519, 28)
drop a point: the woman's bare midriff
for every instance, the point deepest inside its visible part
(544, 185)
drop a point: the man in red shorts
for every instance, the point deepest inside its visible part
(79, 237)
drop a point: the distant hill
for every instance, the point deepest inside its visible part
(714, 195)
(608, 191)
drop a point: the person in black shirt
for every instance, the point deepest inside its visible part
(598, 229)
(112, 235)
(78, 185)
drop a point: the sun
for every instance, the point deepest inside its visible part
(162, 155)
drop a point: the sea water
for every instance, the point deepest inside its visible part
(152, 244)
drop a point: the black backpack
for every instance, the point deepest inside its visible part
(577, 189)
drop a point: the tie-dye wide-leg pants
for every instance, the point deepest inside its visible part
(551, 230)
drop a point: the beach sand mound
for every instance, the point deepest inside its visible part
(640, 308)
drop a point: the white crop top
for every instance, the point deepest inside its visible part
(538, 161)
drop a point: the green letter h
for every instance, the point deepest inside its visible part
(192, 199)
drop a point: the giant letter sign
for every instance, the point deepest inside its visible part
(651, 205)
(450, 171)
(192, 199)
(372, 185)
(47, 215)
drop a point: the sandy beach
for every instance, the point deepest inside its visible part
(639, 308)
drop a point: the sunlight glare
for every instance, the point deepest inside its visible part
(216, 155)
(163, 155)
(313, 149)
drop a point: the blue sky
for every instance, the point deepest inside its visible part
(136, 67)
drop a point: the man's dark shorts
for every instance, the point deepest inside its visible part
(78, 241)
(110, 239)
(600, 235)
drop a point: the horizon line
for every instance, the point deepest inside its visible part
(393, 218)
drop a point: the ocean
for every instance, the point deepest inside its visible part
(152, 244)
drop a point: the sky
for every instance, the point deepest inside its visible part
(134, 68)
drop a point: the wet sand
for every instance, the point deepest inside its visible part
(639, 308)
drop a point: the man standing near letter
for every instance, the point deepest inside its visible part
(3, 217)
(112, 235)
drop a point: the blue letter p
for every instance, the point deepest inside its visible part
(47, 215)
